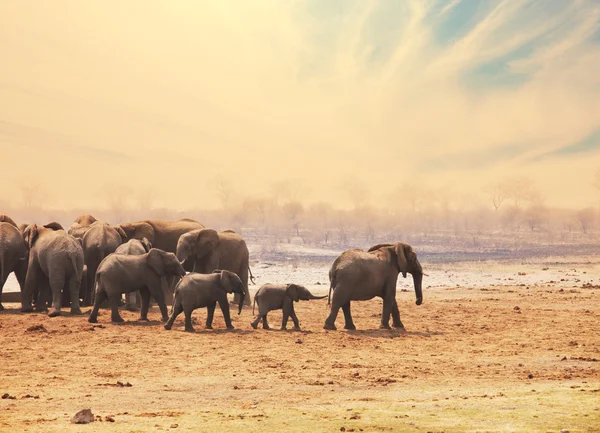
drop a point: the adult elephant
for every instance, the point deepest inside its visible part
(358, 275)
(162, 234)
(81, 225)
(55, 261)
(99, 241)
(210, 250)
(13, 254)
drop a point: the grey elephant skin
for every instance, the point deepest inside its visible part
(280, 297)
(81, 225)
(205, 290)
(13, 254)
(99, 241)
(133, 247)
(358, 275)
(118, 274)
(55, 262)
(210, 250)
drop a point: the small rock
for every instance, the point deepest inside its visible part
(84, 416)
(8, 396)
(37, 328)
(564, 430)
(330, 382)
(109, 418)
(530, 376)
(298, 341)
(236, 387)
(174, 425)
(342, 428)
(517, 308)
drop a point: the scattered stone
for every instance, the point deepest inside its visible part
(37, 328)
(174, 425)
(530, 376)
(564, 430)
(8, 396)
(517, 308)
(236, 387)
(330, 382)
(84, 416)
(342, 428)
(109, 418)
(298, 341)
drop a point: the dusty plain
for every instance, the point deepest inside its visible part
(498, 351)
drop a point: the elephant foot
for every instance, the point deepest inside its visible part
(398, 326)
(93, 319)
(350, 327)
(230, 327)
(329, 327)
(117, 319)
(40, 309)
(283, 328)
(54, 313)
(208, 327)
(27, 309)
(297, 328)
(254, 325)
(164, 319)
(384, 326)
(132, 308)
(143, 319)
(190, 329)
(1, 307)
(76, 312)
(168, 327)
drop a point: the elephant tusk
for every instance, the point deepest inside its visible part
(425, 275)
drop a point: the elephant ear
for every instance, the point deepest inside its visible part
(206, 241)
(146, 243)
(228, 231)
(293, 292)
(376, 247)
(156, 261)
(123, 235)
(399, 249)
(30, 235)
(227, 280)
(7, 219)
(54, 226)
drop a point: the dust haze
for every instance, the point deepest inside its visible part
(383, 106)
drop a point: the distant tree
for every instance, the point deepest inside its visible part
(585, 217)
(223, 188)
(293, 211)
(288, 190)
(498, 193)
(321, 215)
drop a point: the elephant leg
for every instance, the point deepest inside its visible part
(89, 294)
(131, 301)
(348, 317)
(100, 297)
(243, 274)
(265, 323)
(210, 314)
(188, 320)
(295, 319)
(225, 310)
(145, 295)
(157, 292)
(57, 283)
(388, 302)
(73, 291)
(113, 300)
(257, 319)
(284, 320)
(396, 322)
(31, 286)
(335, 308)
(177, 310)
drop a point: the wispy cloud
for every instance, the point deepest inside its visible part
(255, 90)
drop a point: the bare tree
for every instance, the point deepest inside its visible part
(585, 217)
(292, 212)
(355, 189)
(321, 214)
(498, 193)
(288, 190)
(223, 188)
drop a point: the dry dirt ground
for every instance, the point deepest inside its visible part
(485, 359)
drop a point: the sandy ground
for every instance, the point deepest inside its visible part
(489, 350)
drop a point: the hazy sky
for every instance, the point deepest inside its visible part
(157, 97)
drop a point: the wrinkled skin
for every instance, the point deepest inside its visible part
(210, 250)
(55, 263)
(13, 254)
(358, 275)
(133, 247)
(162, 234)
(280, 297)
(119, 273)
(205, 290)
(99, 241)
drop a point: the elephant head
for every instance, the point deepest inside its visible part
(146, 244)
(231, 283)
(84, 220)
(54, 226)
(297, 293)
(197, 243)
(164, 264)
(407, 262)
(136, 230)
(30, 235)
(7, 219)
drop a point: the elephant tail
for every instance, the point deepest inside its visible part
(331, 285)
(251, 276)
(75, 267)
(253, 305)
(1, 269)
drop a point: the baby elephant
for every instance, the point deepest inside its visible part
(280, 297)
(205, 290)
(119, 273)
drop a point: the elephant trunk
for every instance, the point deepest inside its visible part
(317, 297)
(418, 279)
(241, 302)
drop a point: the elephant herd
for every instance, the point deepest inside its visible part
(94, 263)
